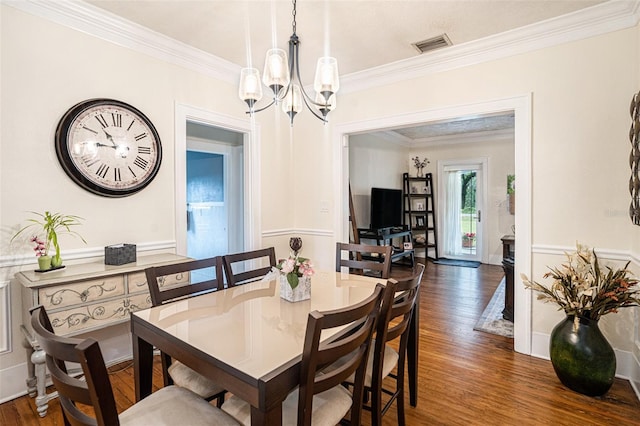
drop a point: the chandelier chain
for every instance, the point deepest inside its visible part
(293, 13)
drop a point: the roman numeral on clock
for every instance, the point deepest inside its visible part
(102, 121)
(141, 162)
(141, 136)
(116, 175)
(117, 119)
(144, 150)
(102, 170)
(132, 172)
(89, 129)
(89, 160)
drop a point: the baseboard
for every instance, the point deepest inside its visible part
(627, 365)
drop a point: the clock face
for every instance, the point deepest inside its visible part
(108, 147)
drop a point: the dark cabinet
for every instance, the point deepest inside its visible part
(508, 261)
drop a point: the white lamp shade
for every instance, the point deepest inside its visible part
(276, 69)
(250, 87)
(293, 101)
(327, 79)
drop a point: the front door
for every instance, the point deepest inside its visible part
(462, 214)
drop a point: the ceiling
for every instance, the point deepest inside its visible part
(361, 34)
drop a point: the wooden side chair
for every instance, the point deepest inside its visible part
(393, 324)
(239, 267)
(171, 405)
(176, 372)
(364, 259)
(320, 398)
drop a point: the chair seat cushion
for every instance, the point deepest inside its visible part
(329, 407)
(173, 405)
(185, 377)
(388, 364)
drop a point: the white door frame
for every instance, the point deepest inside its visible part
(481, 252)
(521, 106)
(251, 169)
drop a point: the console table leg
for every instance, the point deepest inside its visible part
(42, 400)
(31, 375)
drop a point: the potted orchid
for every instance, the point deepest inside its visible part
(53, 225)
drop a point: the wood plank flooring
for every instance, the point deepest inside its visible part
(466, 377)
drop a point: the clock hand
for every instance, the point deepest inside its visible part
(109, 138)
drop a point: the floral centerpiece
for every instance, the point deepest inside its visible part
(295, 274)
(581, 356)
(295, 267)
(53, 225)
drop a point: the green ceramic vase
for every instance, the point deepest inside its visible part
(582, 358)
(44, 263)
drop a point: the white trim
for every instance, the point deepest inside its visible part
(251, 169)
(86, 253)
(5, 314)
(603, 253)
(297, 231)
(104, 25)
(521, 106)
(589, 22)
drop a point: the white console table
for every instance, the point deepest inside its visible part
(82, 298)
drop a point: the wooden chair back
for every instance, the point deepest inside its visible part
(394, 322)
(364, 257)
(156, 276)
(246, 259)
(351, 348)
(95, 390)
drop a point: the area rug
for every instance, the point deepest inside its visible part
(456, 262)
(491, 320)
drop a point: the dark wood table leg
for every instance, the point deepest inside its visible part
(413, 348)
(142, 367)
(273, 417)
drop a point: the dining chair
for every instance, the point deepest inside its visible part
(320, 398)
(393, 324)
(171, 405)
(204, 276)
(239, 268)
(364, 259)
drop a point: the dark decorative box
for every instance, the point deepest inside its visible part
(119, 254)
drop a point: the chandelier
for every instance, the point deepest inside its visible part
(282, 76)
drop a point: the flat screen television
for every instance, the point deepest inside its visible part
(386, 208)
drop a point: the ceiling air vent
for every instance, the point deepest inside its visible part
(432, 43)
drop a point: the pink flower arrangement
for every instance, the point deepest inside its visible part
(469, 236)
(295, 267)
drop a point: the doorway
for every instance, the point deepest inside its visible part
(214, 191)
(462, 200)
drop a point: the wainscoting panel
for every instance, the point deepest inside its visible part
(5, 314)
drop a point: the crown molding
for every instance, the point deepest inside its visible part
(104, 25)
(593, 21)
(606, 17)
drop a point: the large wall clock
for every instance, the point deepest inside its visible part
(108, 147)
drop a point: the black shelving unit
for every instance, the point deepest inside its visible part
(420, 213)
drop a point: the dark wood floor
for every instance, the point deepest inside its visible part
(466, 377)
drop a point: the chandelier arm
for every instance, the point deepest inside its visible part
(304, 99)
(261, 109)
(295, 62)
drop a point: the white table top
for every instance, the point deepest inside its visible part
(249, 327)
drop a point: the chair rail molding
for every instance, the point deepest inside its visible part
(5, 314)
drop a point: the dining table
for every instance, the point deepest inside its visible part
(246, 337)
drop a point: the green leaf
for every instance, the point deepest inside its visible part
(292, 279)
